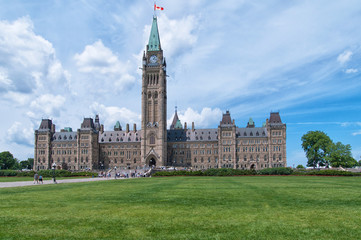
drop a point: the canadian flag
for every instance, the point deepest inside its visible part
(158, 8)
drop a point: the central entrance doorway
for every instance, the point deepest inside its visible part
(152, 162)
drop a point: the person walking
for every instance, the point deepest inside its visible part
(41, 179)
(36, 178)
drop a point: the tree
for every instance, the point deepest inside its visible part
(7, 160)
(300, 166)
(317, 146)
(27, 164)
(31, 163)
(341, 156)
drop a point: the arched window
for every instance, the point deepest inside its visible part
(229, 157)
(280, 157)
(195, 160)
(265, 158)
(245, 158)
(152, 139)
(274, 157)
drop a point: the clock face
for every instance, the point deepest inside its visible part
(153, 59)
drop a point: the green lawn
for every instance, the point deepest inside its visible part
(255, 207)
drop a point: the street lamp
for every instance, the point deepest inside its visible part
(53, 167)
(115, 172)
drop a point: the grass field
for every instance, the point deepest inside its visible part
(258, 207)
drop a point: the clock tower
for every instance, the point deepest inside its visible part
(154, 102)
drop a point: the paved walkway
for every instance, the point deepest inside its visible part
(31, 183)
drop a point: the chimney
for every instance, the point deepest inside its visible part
(53, 128)
(135, 127)
(127, 128)
(193, 126)
(185, 125)
(102, 128)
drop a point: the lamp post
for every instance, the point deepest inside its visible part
(53, 167)
(115, 172)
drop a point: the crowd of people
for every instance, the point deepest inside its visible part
(123, 174)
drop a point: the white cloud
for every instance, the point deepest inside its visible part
(101, 64)
(5, 82)
(351, 70)
(206, 118)
(176, 34)
(28, 60)
(47, 104)
(109, 115)
(356, 133)
(21, 135)
(344, 57)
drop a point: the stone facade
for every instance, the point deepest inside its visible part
(228, 146)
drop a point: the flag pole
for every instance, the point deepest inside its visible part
(154, 14)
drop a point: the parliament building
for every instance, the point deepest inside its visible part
(181, 146)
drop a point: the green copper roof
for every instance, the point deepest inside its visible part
(68, 129)
(154, 42)
(251, 121)
(117, 125)
(178, 125)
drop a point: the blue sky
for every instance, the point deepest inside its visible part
(69, 59)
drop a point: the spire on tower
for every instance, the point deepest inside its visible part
(175, 119)
(154, 40)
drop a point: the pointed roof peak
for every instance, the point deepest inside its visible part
(175, 119)
(154, 40)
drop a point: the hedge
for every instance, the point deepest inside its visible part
(46, 173)
(276, 171)
(326, 173)
(266, 171)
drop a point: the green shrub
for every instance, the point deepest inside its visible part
(208, 172)
(276, 171)
(46, 173)
(327, 172)
(8, 173)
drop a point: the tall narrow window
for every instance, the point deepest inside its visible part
(152, 139)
